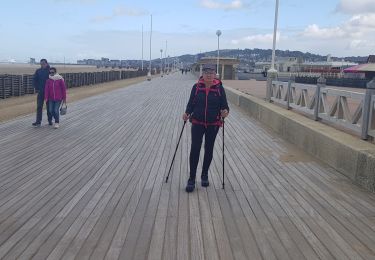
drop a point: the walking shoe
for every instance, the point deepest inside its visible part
(35, 124)
(204, 180)
(56, 125)
(50, 123)
(190, 186)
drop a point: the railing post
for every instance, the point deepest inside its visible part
(370, 90)
(291, 80)
(271, 76)
(321, 84)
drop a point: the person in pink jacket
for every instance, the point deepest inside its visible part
(55, 94)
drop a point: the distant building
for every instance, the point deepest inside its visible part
(282, 64)
(371, 59)
(366, 70)
(227, 66)
(293, 64)
(326, 66)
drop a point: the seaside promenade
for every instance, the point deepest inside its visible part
(95, 188)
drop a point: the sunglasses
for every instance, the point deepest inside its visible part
(208, 72)
(52, 72)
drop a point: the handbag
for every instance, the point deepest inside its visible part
(63, 109)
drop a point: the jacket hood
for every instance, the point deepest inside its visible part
(56, 77)
(215, 82)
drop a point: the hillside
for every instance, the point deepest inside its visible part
(248, 56)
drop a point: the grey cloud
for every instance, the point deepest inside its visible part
(118, 12)
(75, 1)
(356, 7)
(125, 11)
(101, 18)
(213, 4)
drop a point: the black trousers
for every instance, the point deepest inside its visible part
(197, 132)
(39, 108)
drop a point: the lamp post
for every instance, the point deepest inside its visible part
(272, 72)
(161, 62)
(142, 48)
(274, 37)
(165, 57)
(218, 33)
(168, 64)
(149, 69)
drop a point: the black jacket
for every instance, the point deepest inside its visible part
(205, 104)
(40, 77)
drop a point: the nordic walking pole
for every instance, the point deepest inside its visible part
(182, 130)
(223, 152)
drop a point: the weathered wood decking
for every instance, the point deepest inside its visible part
(94, 189)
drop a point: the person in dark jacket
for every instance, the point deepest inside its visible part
(39, 81)
(206, 107)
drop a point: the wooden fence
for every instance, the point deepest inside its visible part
(18, 85)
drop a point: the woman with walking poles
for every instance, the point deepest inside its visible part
(206, 109)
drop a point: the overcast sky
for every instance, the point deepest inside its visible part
(81, 29)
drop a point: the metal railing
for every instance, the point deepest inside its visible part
(348, 109)
(371, 125)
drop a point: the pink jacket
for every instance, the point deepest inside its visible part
(55, 88)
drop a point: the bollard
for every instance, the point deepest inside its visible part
(271, 76)
(321, 84)
(291, 80)
(370, 90)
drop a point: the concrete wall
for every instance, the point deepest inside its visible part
(347, 154)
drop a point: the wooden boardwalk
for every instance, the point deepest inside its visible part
(94, 189)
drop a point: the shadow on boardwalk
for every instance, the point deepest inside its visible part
(94, 188)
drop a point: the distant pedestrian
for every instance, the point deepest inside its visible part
(207, 105)
(39, 82)
(55, 94)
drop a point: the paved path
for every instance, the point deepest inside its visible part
(94, 189)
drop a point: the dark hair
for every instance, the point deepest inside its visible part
(44, 60)
(53, 68)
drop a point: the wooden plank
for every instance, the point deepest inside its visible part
(343, 246)
(106, 197)
(183, 241)
(145, 236)
(289, 210)
(209, 241)
(350, 232)
(100, 227)
(272, 217)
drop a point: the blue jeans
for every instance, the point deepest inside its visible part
(54, 107)
(39, 109)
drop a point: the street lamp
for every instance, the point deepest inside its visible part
(273, 70)
(142, 48)
(168, 64)
(161, 62)
(218, 33)
(165, 57)
(149, 69)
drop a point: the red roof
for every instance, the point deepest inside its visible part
(367, 67)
